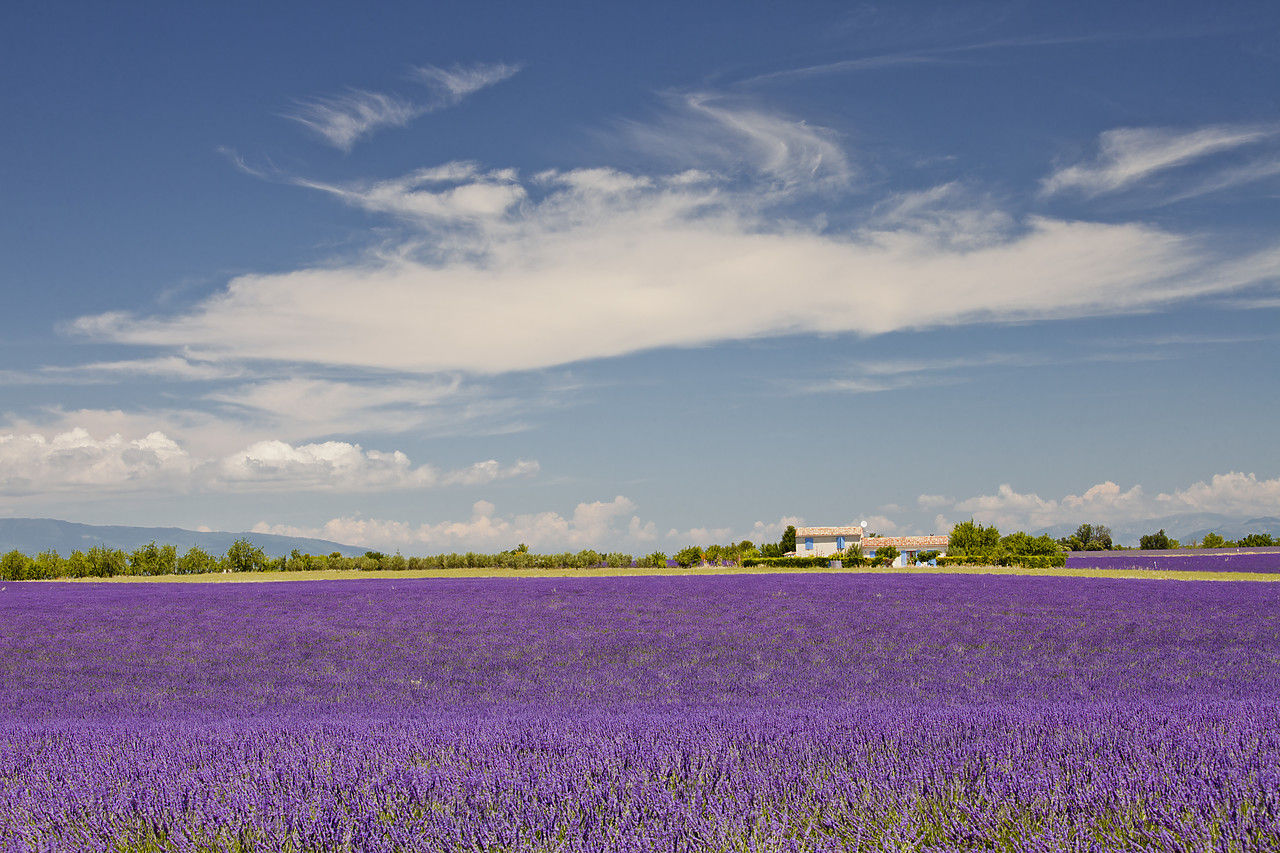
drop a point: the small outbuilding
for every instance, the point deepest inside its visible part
(908, 546)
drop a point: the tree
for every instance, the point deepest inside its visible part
(972, 539)
(1155, 541)
(15, 565)
(1214, 540)
(926, 557)
(788, 542)
(689, 556)
(1257, 540)
(152, 559)
(197, 561)
(1021, 544)
(244, 556)
(656, 560)
(1088, 537)
(886, 554)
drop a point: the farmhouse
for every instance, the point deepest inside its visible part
(826, 541)
(908, 546)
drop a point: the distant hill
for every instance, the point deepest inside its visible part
(33, 535)
(1185, 527)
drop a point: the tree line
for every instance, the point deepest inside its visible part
(969, 543)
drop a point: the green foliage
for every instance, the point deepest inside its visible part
(790, 562)
(1156, 542)
(924, 557)
(152, 560)
(197, 561)
(1257, 540)
(1089, 537)
(1026, 561)
(107, 562)
(886, 554)
(244, 556)
(1214, 540)
(788, 543)
(688, 556)
(970, 538)
(1020, 543)
(14, 566)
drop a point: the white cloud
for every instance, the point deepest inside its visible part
(341, 466)
(34, 463)
(702, 535)
(74, 460)
(309, 406)
(163, 368)
(342, 120)
(720, 135)
(591, 525)
(766, 532)
(882, 525)
(589, 275)
(1233, 493)
(1129, 156)
(453, 84)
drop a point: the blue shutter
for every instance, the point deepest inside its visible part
(840, 543)
(808, 543)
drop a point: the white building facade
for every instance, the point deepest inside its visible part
(826, 541)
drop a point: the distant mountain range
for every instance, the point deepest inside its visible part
(1186, 527)
(33, 535)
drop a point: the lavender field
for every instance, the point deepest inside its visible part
(768, 712)
(1256, 560)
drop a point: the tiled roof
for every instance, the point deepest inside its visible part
(829, 531)
(907, 543)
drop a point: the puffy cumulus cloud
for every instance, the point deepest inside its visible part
(1009, 508)
(1233, 493)
(771, 531)
(595, 524)
(882, 525)
(1130, 156)
(342, 466)
(32, 464)
(702, 535)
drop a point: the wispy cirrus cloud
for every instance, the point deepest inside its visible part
(344, 119)
(1129, 156)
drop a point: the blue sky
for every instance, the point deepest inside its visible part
(436, 277)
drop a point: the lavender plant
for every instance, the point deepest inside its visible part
(800, 712)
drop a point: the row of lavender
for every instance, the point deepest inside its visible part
(810, 712)
(1252, 560)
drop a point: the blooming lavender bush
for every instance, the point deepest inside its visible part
(1254, 560)
(801, 712)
